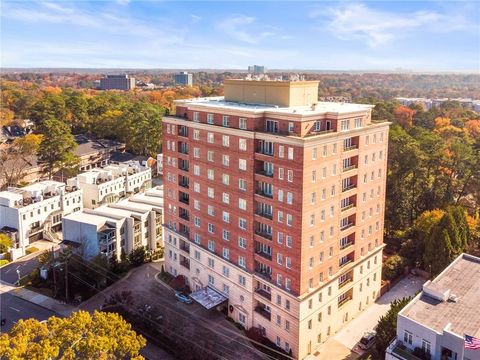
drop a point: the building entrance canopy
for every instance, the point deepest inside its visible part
(208, 297)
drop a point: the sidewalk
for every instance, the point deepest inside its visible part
(39, 299)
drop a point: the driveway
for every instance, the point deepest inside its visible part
(187, 323)
(344, 342)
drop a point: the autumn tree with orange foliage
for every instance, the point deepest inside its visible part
(404, 116)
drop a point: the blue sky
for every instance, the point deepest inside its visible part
(344, 35)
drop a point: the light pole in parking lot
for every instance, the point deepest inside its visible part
(18, 273)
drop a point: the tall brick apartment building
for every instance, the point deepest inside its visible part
(277, 202)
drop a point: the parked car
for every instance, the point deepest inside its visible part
(367, 340)
(183, 298)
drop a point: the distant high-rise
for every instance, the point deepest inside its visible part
(184, 79)
(257, 69)
(117, 82)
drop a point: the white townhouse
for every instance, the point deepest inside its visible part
(111, 183)
(437, 319)
(35, 211)
(126, 225)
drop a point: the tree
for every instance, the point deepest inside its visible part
(137, 256)
(17, 158)
(387, 326)
(80, 336)
(393, 267)
(56, 150)
(448, 239)
(404, 116)
(5, 243)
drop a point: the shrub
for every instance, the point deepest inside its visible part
(31, 250)
(4, 262)
(393, 267)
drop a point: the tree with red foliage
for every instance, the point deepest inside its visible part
(404, 116)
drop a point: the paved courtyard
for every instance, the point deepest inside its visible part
(344, 343)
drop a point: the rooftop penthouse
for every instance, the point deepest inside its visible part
(35, 193)
(288, 108)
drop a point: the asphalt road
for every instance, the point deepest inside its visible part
(14, 308)
(9, 273)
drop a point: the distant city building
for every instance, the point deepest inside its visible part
(184, 79)
(35, 212)
(430, 103)
(257, 69)
(437, 320)
(109, 229)
(117, 82)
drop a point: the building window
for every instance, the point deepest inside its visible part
(226, 253)
(226, 179)
(209, 118)
(242, 224)
(241, 263)
(290, 153)
(211, 245)
(211, 262)
(226, 235)
(242, 123)
(281, 151)
(226, 140)
(225, 121)
(242, 144)
(226, 160)
(426, 346)
(407, 337)
(344, 125)
(242, 243)
(211, 280)
(210, 138)
(242, 164)
(242, 184)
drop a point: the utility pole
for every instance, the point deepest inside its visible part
(66, 279)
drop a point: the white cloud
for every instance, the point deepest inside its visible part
(356, 21)
(195, 18)
(235, 27)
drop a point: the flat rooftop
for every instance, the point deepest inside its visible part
(89, 218)
(462, 280)
(318, 109)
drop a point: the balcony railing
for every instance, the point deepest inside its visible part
(345, 263)
(351, 147)
(263, 193)
(264, 254)
(185, 247)
(183, 167)
(264, 234)
(346, 207)
(399, 350)
(344, 301)
(184, 184)
(185, 263)
(345, 282)
(344, 246)
(183, 150)
(348, 187)
(347, 226)
(183, 132)
(261, 310)
(348, 168)
(263, 293)
(185, 201)
(264, 173)
(264, 274)
(185, 216)
(264, 214)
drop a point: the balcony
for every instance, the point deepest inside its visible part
(185, 247)
(264, 193)
(183, 131)
(347, 226)
(264, 214)
(264, 274)
(346, 246)
(349, 187)
(185, 263)
(183, 150)
(344, 301)
(398, 350)
(183, 166)
(345, 282)
(350, 147)
(263, 254)
(263, 293)
(185, 216)
(345, 263)
(264, 234)
(264, 173)
(349, 168)
(347, 207)
(261, 310)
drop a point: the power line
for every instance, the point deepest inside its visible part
(178, 313)
(150, 320)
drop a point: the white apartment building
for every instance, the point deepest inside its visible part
(32, 212)
(111, 183)
(438, 318)
(126, 225)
